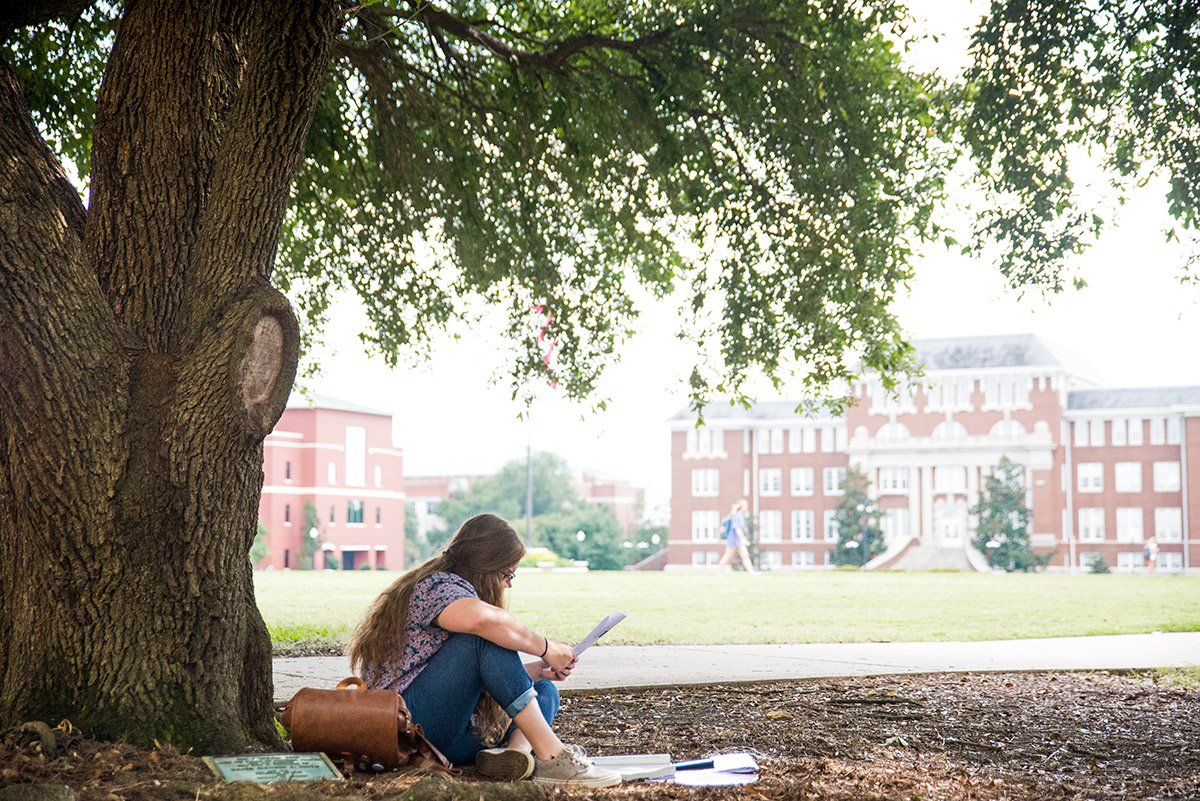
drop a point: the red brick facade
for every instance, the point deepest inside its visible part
(340, 457)
(928, 452)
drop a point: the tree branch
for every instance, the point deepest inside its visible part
(16, 14)
(554, 57)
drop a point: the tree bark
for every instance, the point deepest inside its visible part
(143, 359)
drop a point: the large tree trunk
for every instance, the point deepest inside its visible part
(143, 359)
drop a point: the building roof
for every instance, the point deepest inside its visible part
(1133, 398)
(1003, 350)
(759, 410)
(315, 400)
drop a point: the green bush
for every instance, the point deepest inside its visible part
(1097, 564)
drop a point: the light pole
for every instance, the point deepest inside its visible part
(580, 537)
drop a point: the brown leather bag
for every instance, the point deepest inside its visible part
(360, 726)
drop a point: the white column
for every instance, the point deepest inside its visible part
(927, 505)
(915, 485)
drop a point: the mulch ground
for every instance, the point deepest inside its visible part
(1035, 736)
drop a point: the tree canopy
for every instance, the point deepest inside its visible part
(776, 158)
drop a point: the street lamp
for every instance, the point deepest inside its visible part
(656, 540)
(580, 537)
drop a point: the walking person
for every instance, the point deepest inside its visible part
(1150, 555)
(736, 541)
(441, 637)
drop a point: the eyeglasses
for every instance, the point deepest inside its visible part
(508, 575)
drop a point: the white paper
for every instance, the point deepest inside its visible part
(601, 629)
(637, 766)
(706, 777)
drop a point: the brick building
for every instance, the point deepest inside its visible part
(1105, 468)
(339, 456)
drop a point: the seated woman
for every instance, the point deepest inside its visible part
(440, 636)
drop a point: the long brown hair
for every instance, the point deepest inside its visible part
(480, 551)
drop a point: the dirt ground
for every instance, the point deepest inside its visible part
(1035, 736)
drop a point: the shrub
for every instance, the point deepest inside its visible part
(1097, 564)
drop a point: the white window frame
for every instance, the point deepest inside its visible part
(1120, 429)
(770, 525)
(830, 528)
(1168, 524)
(1174, 430)
(1096, 433)
(356, 456)
(705, 482)
(893, 480)
(803, 525)
(1170, 560)
(1158, 431)
(808, 438)
(776, 440)
(834, 480)
(1136, 435)
(802, 481)
(1166, 477)
(1130, 524)
(828, 443)
(1090, 476)
(1129, 561)
(803, 559)
(770, 482)
(1127, 477)
(1081, 433)
(1091, 524)
(706, 525)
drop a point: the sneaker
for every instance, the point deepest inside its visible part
(504, 764)
(573, 767)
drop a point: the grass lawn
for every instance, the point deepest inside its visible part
(838, 606)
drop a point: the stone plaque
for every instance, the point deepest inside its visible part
(268, 768)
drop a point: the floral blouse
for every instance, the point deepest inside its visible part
(429, 598)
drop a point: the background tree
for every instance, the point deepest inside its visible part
(601, 546)
(776, 159)
(310, 538)
(503, 493)
(259, 548)
(1002, 532)
(857, 519)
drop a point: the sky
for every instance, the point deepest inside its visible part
(1134, 323)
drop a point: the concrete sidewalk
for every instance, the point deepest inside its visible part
(666, 665)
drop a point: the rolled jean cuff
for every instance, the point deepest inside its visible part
(520, 703)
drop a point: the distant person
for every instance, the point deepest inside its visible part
(440, 637)
(1150, 555)
(735, 538)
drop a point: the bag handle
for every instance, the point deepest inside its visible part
(351, 682)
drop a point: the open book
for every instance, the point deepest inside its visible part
(602, 628)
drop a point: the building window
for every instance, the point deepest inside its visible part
(949, 479)
(776, 440)
(706, 442)
(802, 558)
(1158, 431)
(893, 479)
(705, 525)
(378, 476)
(354, 512)
(332, 514)
(1129, 562)
(1081, 434)
(1170, 561)
(1091, 477)
(1166, 476)
(1129, 525)
(1096, 430)
(1136, 436)
(892, 434)
(1007, 430)
(894, 524)
(770, 526)
(1087, 557)
(763, 439)
(802, 481)
(1173, 431)
(287, 472)
(287, 514)
(1128, 476)
(332, 473)
(379, 516)
(1168, 524)
(1091, 525)
(356, 456)
(835, 477)
(831, 526)
(770, 481)
(771, 560)
(746, 481)
(705, 482)
(1119, 429)
(828, 444)
(841, 438)
(809, 440)
(803, 525)
(794, 440)
(950, 431)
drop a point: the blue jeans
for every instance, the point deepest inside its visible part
(443, 695)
